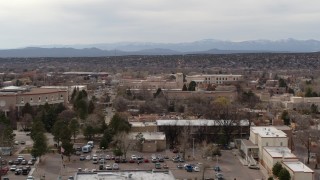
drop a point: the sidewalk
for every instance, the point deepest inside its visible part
(244, 162)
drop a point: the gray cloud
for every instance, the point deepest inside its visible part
(36, 22)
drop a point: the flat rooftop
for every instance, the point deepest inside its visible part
(201, 122)
(280, 152)
(268, 131)
(149, 135)
(135, 175)
(143, 124)
(297, 166)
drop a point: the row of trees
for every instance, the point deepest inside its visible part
(280, 172)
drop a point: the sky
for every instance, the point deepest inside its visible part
(66, 22)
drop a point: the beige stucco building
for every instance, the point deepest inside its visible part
(214, 78)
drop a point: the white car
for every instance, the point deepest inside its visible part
(196, 169)
(30, 178)
(13, 167)
(88, 157)
(108, 157)
(108, 167)
(133, 157)
(20, 158)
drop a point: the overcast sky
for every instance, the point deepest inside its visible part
(45, 22)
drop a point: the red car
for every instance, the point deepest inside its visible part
(146, 160)
(175, 150)
(131, 161)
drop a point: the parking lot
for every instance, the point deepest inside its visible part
(53, 166)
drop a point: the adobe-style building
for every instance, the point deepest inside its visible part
(153, 83)
(17, 97)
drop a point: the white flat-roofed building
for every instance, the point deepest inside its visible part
(298, 170)
(272, 155)
(260, 137)
(201, 122)
(124, 175)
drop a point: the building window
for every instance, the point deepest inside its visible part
(46, 98)
(22, 101)
(39, 98)
(61, 96)
(267, 144)
(280, 143)
(31, 99)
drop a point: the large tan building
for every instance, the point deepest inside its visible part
(214, 78)
(17, 97)
(153, 83)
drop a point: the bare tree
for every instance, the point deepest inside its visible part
(184, 139)
(123, 142)
(26, 121)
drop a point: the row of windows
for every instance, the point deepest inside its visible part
(39, 98)
(267, 144)
(221, 79)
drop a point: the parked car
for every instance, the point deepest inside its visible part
(88, 157)
(20, 158)
(70, 178)
(25, 171)
(179, 166)
(95, 161)
(157, 165)
(131, 161)
(30, 162)
(22, 142)
(30, 178)
(108, 157)
(16, 162)
(175, 150)
(13, 167)
(33, 158)
(117, 160)
(115, 166)
(175, 159)
(123, 160)
(10, 162)
(181, 160)
(29, 168)
(24, 162)
(82, 158)
(196, 169)
(189, 168)
(165, 166)
(254, 167)
(108, 167)
(217, 168)
(134, 157)
(219, 176)
(154, 160)
(146, 160)
(18, 171)
(78, 153)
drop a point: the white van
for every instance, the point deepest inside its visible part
(90, 143)
(86, 149)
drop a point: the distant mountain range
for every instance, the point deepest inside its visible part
(208, 46)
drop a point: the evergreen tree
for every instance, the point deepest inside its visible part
(90, 107)
(285, 117)
(284, 174)
(39, 139)
(192, 86)
(184, 88)
(119, 124)
(276, 169)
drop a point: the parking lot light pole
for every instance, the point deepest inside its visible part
(193, 148)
